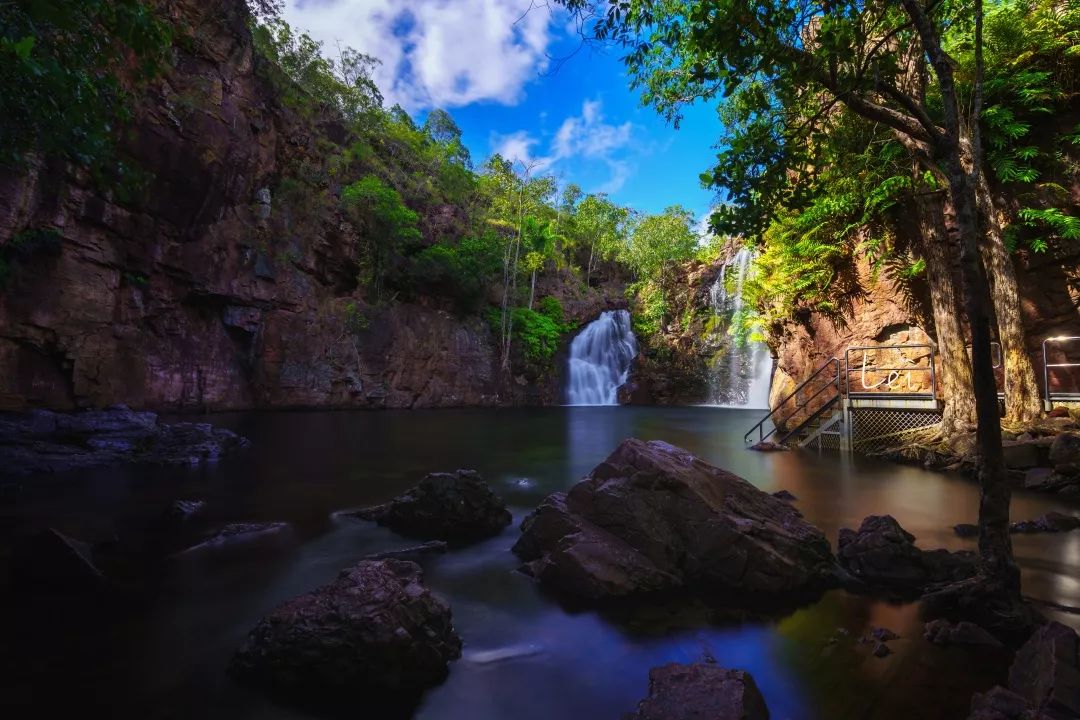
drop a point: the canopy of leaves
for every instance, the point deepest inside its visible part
(67, 70)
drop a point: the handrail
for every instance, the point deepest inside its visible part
(1050, 396)
(813, 416)
(760, 426)
(894, 373)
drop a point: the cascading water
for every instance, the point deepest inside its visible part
(739, 377)
(600, 358)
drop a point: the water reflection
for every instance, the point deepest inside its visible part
(164, 655)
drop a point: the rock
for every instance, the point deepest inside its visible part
(966, 530)
(768, 446)
(1051, 522)
(1058, 412)
(1065, 453)
(374, 635)
(881, 650)
(44, 441)
(1046, 671)
(943, 632)
(458, 507)
(784, 495)
(883, 555)
(239, 533)
(653, 517)
(883, 634)
(1019, 455)
(1001, 704)
(185, 510)
(688, 692)
(987, 603)
(434, 547)
(52, 561)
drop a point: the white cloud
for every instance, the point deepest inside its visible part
(437, 53)
(584, 136)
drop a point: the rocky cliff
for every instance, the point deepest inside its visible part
(202, 290)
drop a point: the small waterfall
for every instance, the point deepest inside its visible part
(741, 376)
(600, 358)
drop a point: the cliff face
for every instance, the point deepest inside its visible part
(198, 293)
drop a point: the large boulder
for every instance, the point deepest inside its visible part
(1044, 680)
(883, 556)
(1046, 671)
(689, 692)
(458, 507)
(653, 517)
(376, 635)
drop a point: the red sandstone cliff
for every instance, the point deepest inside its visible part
(201, 293)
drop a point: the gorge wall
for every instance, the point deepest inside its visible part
(200, 292)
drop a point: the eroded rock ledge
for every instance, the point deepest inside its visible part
(45, 441)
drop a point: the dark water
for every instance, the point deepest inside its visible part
(163, 654)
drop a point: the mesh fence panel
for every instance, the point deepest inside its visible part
(875, 429)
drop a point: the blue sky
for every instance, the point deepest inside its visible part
(488, 62)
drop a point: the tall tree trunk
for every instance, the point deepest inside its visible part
(532, 289)
(1022, 401)
(995, 545)
(955, 376)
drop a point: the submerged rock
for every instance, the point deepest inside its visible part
(45, 441)
(53, 562)
(414, 553)
(1051, 522)
(238, 533)
(688, 692)
(966, 530)
(375, 636)
(653, 517)
(768, 446)
(457, 507)
(943, 632)
(883, 556)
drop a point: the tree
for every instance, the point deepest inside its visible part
(601, 224)
(541, 242)
(848, 53)
(388, 223)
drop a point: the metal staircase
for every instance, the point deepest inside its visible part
(859, 402)
(812, 413)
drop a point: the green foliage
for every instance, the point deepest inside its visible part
(390, 227)
(539, 331)
(650, 308)
(355, 320)
(461, 272)
(67, 72)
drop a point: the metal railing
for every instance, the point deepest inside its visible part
(894, 374)
(1050, 397)
(834, 383)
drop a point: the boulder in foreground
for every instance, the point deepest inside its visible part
(376, 635)
(458, 507)
(1044, 680)
(689, 692)
(653, 517)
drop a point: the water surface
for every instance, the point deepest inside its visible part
(163, 653)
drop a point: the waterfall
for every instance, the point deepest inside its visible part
(739, 377)
(600, 358)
